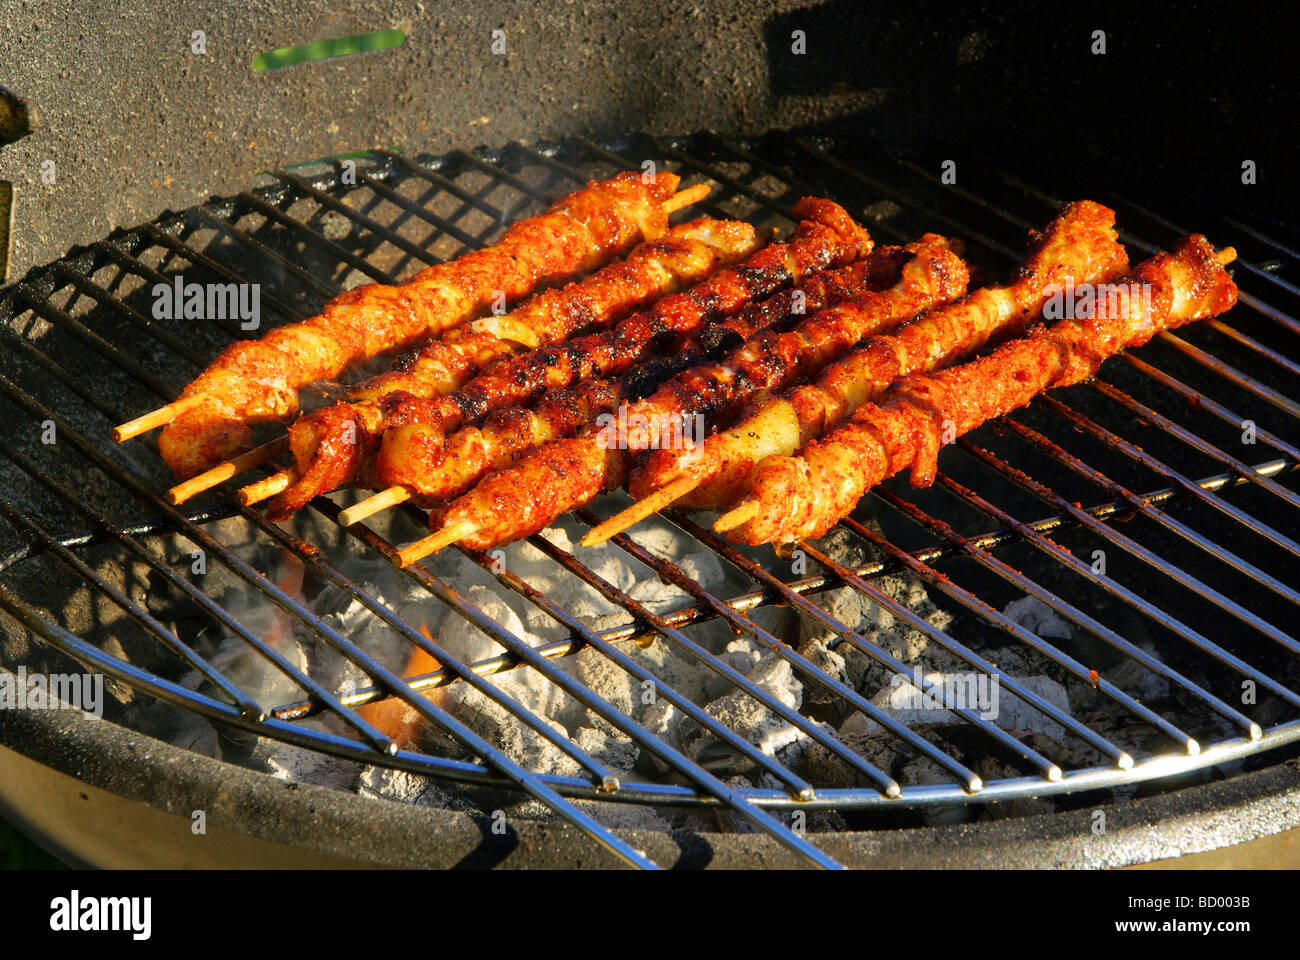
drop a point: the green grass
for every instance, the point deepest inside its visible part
(19, 853)
(324, 49)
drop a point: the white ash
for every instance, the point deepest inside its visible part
(617, 754)
(737, 709)
(871, 620)
(385, 783)
(830, 662)
(565, 716)
(758, 724)
(671, 666)
(907, 703)
(663, 720)
(1037, 617)
(1016, 716)
(794, 755)
(291, 763)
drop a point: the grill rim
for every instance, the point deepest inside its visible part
(169, 779)
(672, 148)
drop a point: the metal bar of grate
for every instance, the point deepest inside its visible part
(1166, 619)
(1094, 627)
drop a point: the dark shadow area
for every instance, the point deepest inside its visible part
(1184, 93)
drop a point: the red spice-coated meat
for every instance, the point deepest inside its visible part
(258, 380)
(803, 497)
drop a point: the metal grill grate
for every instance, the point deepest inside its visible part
(1146, 464)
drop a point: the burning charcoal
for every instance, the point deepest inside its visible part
(681, 671)
(742, 655)
(359, 624)
(178, 728)
(911, 704)
(858, 724)
(1136, 680)
(521, 743)
(467, 642)
(256, 675)
(384, 783)
(297, 765)
(794, 755)
(657, 596)
(830, 772)
(625, 816)
(663, 720)
(609, 681)
(884, 750)
(733, 823)
(875, 623)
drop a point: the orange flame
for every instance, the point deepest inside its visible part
(394, 717)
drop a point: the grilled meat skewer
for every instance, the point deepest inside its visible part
(414, 428)
(331, 443)
(258, 380)
(565, 474)
(1079, 246)
(802, 497)
(507, 434)
(826, 237)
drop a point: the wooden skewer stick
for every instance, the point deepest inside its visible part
(373, 504)
(733, 519)
(684, 198)
(668, 493)
(415, 552)
(165, 415)
(224, 471)
(155, 418)
(265, 489)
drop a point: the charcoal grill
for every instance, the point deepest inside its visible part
(1145, 464)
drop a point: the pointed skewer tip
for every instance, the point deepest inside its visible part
(652, 503)
(377, 503)
(224, 471)
(734, 518)
(265, 489)
(155, 418)
(415, 552)
(684, 198)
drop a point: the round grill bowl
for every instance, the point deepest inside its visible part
(130, 778)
